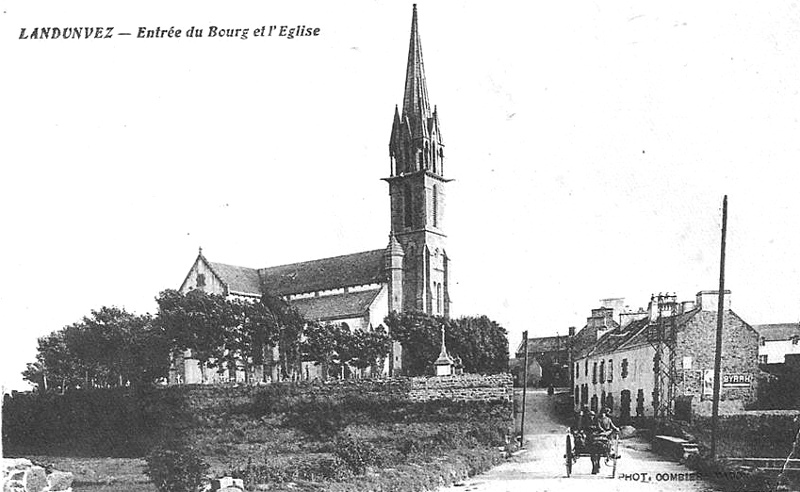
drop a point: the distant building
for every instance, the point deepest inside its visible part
(776, 341)
(548, 360)
(412, 273)
(618, 370)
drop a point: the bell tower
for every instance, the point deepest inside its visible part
(417, 191)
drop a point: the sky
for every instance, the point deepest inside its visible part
(590, 143)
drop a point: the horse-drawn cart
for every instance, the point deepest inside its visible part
(583, 443)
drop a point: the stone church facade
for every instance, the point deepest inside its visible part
(360, 289)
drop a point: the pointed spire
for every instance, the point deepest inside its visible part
(416, 106)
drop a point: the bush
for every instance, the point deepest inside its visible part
(175, 468)
(356, 454)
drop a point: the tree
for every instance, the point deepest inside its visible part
(481, 343)
(110, 347)
(323, 344)
(369, 348)
(200, 322)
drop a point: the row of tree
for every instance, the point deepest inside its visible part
(112, 347)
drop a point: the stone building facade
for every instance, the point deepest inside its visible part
(360, 289)
(618, 371)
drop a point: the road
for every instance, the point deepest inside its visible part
(541, 466)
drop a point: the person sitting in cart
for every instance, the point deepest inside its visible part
(605, 427)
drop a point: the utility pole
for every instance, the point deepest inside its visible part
(524, 389)
(718, 354)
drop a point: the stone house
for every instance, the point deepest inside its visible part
(618, 371)
(360, 289)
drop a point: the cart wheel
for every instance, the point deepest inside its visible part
(568, 455)
(616, 457)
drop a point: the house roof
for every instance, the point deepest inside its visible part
(778, 331)
(238, 279)
(544, 344)
(634, 334)
(338, 306)
(328, 273)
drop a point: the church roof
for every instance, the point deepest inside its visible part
(240, 280)
(337, 272)
(350, 305)
(328, 273)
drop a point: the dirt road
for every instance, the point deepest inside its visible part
(541, 466)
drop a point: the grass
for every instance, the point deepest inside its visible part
(310, 443)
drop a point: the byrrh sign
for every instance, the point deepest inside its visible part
(735, 380)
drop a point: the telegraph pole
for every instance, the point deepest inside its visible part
(524, 389)
(718, 354)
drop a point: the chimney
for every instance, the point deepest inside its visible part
(627, 318)
(708, 300)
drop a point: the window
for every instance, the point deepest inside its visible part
(624, 368)
(794, 340)
(594, 373)
(593, 406)
(407, 205)
(586, 368)
(439, 298)
(602, 371)
(577, 370)
(610, 370)
(763, 341)
(201, 280)
(435, 206)
(577, 395)
(762, 359)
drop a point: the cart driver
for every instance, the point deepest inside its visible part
(605, 426)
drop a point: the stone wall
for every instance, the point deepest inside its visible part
(464, 387)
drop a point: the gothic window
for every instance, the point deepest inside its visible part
(435, 206)
(426, 157)
(407, 205)
(439, 298)
(201, 280)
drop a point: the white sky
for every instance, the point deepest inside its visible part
(590, 144)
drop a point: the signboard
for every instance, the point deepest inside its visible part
(736, 380)
(708, 382)
(729, 380)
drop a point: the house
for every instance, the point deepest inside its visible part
(776, 341)
(360, 289)
(664, 362)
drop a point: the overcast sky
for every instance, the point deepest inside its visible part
(590, 144)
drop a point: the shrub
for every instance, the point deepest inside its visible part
(175, 468)
(356, 454)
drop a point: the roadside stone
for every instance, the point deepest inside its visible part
(60, 481)
(35, 479)
(627, 431)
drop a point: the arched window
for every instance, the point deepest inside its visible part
(435, 206)
(426, 156)
(439, 298)
(407, 205)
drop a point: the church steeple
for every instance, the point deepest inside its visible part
(415, 143)
(417, 193)
(416, 107)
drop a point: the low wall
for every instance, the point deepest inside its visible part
(465, 387)
(758, 433)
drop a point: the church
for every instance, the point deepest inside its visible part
(411, 273)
